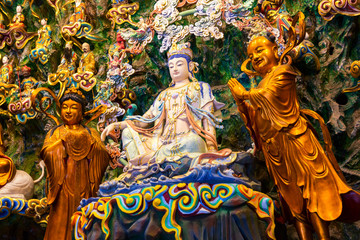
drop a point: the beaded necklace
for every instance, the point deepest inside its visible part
(175, 107)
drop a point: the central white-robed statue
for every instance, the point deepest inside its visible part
(178, 131)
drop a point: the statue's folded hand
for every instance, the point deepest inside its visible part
(237, 90)
(236, 87)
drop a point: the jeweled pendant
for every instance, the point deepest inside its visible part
(175, 95)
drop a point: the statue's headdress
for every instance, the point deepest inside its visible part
(74, 91)
(46, 100)
(296, 36)
(116, 54)
(180, 50)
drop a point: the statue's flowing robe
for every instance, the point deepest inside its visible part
(68, 65)
(44, 37)
(18, 21)
(300, 167)
(198, 95)
(76, 161)
(87, 63)
(7, 170)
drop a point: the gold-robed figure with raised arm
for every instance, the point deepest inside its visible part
(75, 159)
(307, 177)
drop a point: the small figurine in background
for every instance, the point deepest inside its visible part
(75, 159)
(118, 46)
(68, 60)
(43, 44)
(65, 71)
(79, 12)
(6, 71)
(29, 83)
(2, 26)
(307, 177)
(19, 19)
(104, 95)
(87, 60)
(114, 69)
(44, 35)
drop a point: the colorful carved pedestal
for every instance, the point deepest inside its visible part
(179, 211)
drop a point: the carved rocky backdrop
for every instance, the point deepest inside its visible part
(337, 44)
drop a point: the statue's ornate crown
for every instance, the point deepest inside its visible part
(182, 48)
(76, 91)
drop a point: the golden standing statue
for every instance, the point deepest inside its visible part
(76, 160)
(87, 60)
(6, 71)
(44, 35)
(308, 178)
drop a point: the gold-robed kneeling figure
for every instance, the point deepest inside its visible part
(307, 177)
(75, 159)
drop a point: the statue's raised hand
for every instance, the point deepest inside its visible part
(236, 89)
(109, 129)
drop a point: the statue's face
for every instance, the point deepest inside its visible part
(85, 47)
(114, 64)
(179, 69)
(5, 60)
(18, 9)
(262, 54)
(43, 22)
(71, 112)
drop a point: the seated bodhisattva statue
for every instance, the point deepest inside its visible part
(178, 131)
